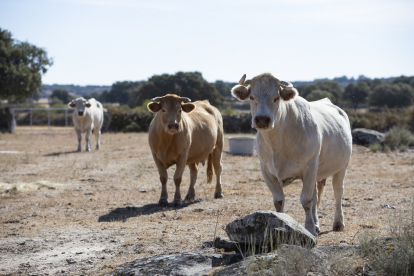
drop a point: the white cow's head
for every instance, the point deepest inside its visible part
(80, 104)
(267, 96)
(171, 107)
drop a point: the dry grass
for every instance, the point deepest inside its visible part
(105, 200)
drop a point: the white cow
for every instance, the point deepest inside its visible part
(87, 116)
(297, 139)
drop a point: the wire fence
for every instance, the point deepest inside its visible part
(39, 119)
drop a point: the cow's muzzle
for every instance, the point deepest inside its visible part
(80, 113)
(173, 127)
(262, 121)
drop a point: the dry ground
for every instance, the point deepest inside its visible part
(69, 213)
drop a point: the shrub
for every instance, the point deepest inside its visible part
(393, 255)
(398, 137)
(376, 147)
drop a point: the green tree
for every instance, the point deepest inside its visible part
(189, 84)
(356, 94)
(318, 94)
(21, 68)
(61, 95)
(325, 85)
(392, 95)
(120, 91)
(224, 88)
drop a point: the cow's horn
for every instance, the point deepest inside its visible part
(243, 80)
(286, 84)
(185, 99)
(156, 99)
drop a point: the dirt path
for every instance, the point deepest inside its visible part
(69, 213)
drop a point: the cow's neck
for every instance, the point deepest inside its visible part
(285, 136)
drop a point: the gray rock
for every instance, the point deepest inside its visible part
(181, 264)
(268, 229)
(366, 137)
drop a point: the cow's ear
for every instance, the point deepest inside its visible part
(72, 104)
(288, 94)
(87, 104)
(154, 107)
(240, 92)
(188, 107)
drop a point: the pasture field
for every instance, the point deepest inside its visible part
(68, 213)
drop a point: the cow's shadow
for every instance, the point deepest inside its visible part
(59, 153)
(122, 214)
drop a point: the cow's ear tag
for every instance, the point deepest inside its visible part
(154, 107)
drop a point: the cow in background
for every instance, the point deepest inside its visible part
(87, 116)
(297, 139)
(184, 133)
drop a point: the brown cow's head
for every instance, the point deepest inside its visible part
(79, 104)
(266, 94)
(170, 107)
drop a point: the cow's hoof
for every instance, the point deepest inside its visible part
(220, 195)
(317, 229)
(189, 197)
(178, 203)
(313, 232)
(338, 226)
(163, 202)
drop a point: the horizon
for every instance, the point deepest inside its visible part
(108, 41)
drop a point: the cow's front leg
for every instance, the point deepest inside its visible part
(88, 139)
(315, 209)
(275, 187)
(193, 178)
(78, 133)
(163, 178)
(180, 166)
(307, 197)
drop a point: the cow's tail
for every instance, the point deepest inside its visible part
(321, 188)
(210, 168)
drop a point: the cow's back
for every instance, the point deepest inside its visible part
(334, 127)
(96, 112)
(206, 129)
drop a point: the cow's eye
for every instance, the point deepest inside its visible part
(276, 98)
(251, 98)
(179, 111)
(164, 110)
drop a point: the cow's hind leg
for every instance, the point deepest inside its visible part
(338, 187)
(78, 133)
(218, 167)
(97, 137)
(275, 187)
(193, 178)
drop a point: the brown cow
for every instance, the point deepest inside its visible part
(185, 138)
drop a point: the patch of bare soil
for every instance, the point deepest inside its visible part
(69, 213)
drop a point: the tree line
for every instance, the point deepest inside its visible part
(22, 66)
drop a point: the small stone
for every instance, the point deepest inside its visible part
(78, 253)
(88, 193)
(369, 199)
(70, 261)
(143, 191)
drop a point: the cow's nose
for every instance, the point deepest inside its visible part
(262, 121)
(173, 127)
(80, 113)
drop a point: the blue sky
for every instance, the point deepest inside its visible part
(99, 42)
